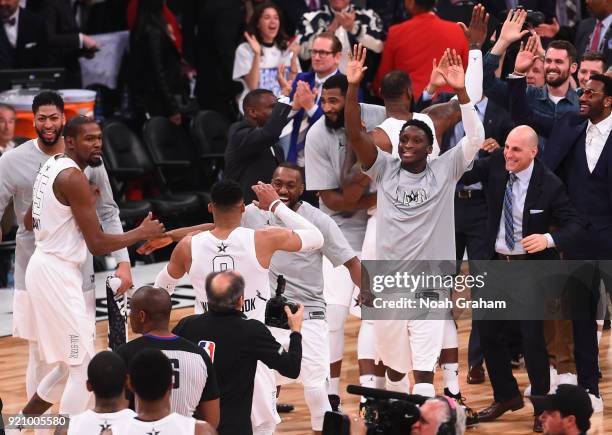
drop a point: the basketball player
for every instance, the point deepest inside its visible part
(229, 246)
(65, 227)
(106, 378)
(414, 229)
(19, 168)
(151, 381)
(303, 272)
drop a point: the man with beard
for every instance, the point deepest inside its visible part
(19, 168)
(325, 154)
(557, 96)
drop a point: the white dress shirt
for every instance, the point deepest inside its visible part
(11, 31)
(596, 138)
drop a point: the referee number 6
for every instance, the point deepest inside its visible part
(175, 373)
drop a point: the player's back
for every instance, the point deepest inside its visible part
(236, 252)
(55, 228)
(174, 424)
(91, 422)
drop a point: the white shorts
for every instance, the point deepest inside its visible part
(263, 409)
(338, 287)
(62, 326)
(405, 345)
(314, 370)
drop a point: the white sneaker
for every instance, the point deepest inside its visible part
(567, 378)
(554, 381)
(597, 403)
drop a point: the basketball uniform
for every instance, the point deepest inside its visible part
(174, 424)
(91, 422)
(237, 252)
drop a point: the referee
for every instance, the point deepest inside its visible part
(235, 344)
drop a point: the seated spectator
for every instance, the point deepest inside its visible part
(7, 128)
(350, 24)
(413, 45)
(252, 153)
(159, 86)
(151, 381)
(257, 60)
(566, 412)
(592, 63)
(195, 391)
(107, 379)
(23, 38)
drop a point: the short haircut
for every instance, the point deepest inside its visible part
(7, 107)
(336, 44)
(425, 4)
(226, 193)
(73, 125)
(395, 84)
(607, 82)
(567, 46)
(224, 300)
(293, 167)
(106, 373)
(48, 98)
(252, 98)
(150, 374)
(419, 124)
(594, 56)
(337, 81)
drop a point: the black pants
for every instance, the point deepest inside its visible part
(497, 357)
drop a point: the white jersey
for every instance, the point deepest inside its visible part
(393, 127)
(174, 424)
(91, 422)
(55, 229)
(237, 252)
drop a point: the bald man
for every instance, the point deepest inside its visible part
(194, 392)
(525, 200)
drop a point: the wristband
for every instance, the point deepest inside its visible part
(272, 205)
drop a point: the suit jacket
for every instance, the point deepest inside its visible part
(248, 156)
(583, 38)
(31, 48)
(546, 192)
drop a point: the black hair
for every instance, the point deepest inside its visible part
(567, 46)
(106, 373)
(337, 81)
(395, 84)
(223, 300)
(607, 82)
(47, 98)
(252, 98)
(150, 374)
(226, 193)
(281, 39)
(73, 125)
(419, 124)
(7, 107)
(294, 167)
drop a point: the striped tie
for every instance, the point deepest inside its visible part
(508, 220)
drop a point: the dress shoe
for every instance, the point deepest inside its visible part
(497, 409)
(476, 375)
(283, 408)
(537, 424)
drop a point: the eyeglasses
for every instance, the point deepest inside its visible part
(321, 53)
(589, 92)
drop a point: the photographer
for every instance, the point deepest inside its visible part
(439, 415)
(235, 344)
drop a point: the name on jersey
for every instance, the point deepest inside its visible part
(249, 304)
(411, 198)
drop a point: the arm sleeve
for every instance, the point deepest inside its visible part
(265, 348)
(242, 61)
(107, 209)
(211, 388)
(474, 133)
(522, 113)
(473, 76)
(494, 88)
(335, 247)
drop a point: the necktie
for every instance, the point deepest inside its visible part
(508, 219)
(596, 36)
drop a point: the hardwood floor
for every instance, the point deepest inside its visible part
(13, 359)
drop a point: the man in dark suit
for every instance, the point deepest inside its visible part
(252, 153)
(582, 157)
(23, 37)
(66, 43)
(524, 200)
(595, 33)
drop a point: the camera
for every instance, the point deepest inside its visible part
(384, 412)
(275, 308)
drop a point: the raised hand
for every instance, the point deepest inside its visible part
(355, 68)
(307, 96)
(526, 56)
(436, 79)
(476, 33)
(253, 43)
(512, 29)
(453, 74)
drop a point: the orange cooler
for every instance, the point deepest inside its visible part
(76, 102)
